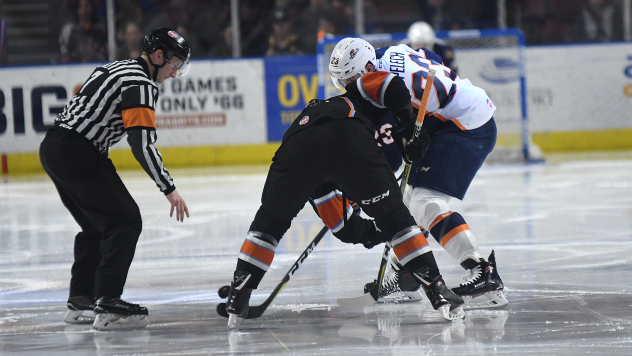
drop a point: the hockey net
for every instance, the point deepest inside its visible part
(491, 59)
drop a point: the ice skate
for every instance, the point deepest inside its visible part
(237, 302)
(115, 313)
(440, 296)
(398, 285)
(483, 287)
(80, 310)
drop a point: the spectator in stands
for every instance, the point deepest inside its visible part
(282, 40)
(255, 26)
(224, 48)
(528, 15)
(84, 40)
(192, 40)
(601, 21)
(133, 39)
(307, 24)
(211, 18)
(561, 23)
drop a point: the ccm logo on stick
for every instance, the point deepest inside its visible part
(376, 199)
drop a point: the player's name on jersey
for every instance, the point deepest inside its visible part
(190, 120)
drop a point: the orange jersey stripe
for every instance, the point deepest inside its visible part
(413, 244)
(264, 255)
(439, 218)
(352, 110)
(139, 117)
(331, 212)
(440, 117)
(459, 125)
(447, 237)
(372, 84)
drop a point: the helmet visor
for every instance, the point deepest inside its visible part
(184, 68)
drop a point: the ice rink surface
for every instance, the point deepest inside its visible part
(562, 233)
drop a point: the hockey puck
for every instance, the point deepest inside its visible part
(223, 292)
(221, 310)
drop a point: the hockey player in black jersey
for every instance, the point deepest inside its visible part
(333, 141)
(117, 99)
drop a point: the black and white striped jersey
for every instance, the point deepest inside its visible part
(119, 98)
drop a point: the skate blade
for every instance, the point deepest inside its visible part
(450, 315)
(490, 300)
(106, 321)
(234, 321)
(401, 297)
(79, 316)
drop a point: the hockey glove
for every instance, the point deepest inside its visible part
(404, 126)
(416, 149)
(402, 133)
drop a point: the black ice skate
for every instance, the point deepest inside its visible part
(440, 296)
(80, 310)
(237, 302)
(114, 313)
(482, 279)
(398, 285)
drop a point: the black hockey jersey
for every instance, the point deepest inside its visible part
(367, 99)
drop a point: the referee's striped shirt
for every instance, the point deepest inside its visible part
(119, 98)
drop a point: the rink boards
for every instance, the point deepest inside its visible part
(236, 111)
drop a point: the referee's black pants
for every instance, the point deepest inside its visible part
(109, 217)
(343, 151)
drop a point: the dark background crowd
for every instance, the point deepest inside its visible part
(54, 31)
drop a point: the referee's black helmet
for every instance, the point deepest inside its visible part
(171, 43)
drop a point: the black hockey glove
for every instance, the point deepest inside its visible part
(404, 125)
(416, 150)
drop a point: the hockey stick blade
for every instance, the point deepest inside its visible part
(365, 300)
(372, 296)
(256, 311)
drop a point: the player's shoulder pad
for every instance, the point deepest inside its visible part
(372, 86)
(428, 54)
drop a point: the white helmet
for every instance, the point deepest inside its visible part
(420, 34)
(350, 57)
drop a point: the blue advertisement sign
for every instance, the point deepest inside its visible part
(291, 82)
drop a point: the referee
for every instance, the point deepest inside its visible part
(118, 98)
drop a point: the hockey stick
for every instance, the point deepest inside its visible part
(373, 295)
(256, 311)
(419, 122)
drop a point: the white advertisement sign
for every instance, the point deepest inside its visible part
(217, 103)
(580, 87)
(569, 88)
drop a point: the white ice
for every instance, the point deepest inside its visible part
(562, 233)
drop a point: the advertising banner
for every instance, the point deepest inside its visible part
(580, 87)
(217, 103)
(291, 82)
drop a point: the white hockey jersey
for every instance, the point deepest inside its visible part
(452, 98)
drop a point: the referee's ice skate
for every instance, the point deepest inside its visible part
(483, 287)
(80, 310)
(115, 313)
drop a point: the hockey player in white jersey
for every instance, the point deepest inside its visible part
(463, 132)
